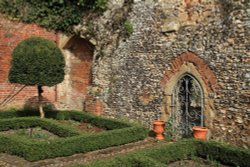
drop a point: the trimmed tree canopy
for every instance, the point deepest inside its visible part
(37, 61)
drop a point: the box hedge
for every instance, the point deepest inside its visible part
(130, 160)
(164, 154)
(103, 122)
(224, 153)
(71, 141)
(47, 124)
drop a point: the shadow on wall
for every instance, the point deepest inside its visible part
(228, 6)
(32, 104)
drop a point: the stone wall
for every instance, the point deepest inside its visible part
(132, 74)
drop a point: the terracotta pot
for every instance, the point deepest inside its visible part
(158, 128)
(200, 132)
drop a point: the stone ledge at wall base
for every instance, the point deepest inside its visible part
(158, 128)
(200, 132)
(93, 104)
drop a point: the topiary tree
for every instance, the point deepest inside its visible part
(37, 62)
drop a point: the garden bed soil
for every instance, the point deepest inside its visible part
(82, 126)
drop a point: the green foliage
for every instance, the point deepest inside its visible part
(157, 156)
(37, 61)
(186, 149)
(29, 122)
(59, 15)
(40, 135)
(128, 27)
(131, 160)
(102, 122)
(169, 131)
(33, 133)
(172, 152)
(101, 5)
(224, 153)
(12, 113)
(99, 121)
(73, 141)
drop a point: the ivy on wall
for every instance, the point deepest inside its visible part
(59, 15)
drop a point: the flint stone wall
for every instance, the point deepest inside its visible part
(129, 70)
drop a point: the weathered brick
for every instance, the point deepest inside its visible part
(11, 34)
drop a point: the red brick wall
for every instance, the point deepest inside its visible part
(11, 34)
(79, 57)
(93, 105)
(81, 65)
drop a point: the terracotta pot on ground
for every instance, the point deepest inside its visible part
(200, 132)
(158, 128)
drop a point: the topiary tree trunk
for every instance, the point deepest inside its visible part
(40, 98)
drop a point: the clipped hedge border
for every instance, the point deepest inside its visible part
(172, 152)
(224, 153)
(99, 121)
(29, 122)
(130, 160)
(162, 155)
(119, 132)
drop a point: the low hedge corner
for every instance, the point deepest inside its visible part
(71, 141)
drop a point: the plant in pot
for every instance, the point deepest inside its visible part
(158, 128)
(200, 132)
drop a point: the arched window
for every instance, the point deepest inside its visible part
(187, 106)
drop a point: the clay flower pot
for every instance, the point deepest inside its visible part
(200, 132)
(158, 128)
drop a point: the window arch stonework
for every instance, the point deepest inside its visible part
(189, 63)
(207, 75)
